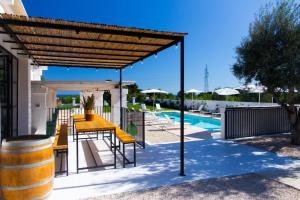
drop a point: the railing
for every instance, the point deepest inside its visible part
(64, 116)
(133, 122)
(255, 121)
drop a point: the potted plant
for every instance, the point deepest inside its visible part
(88, 104)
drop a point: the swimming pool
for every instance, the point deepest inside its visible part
(209, 124)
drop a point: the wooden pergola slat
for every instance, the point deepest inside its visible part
(52, 38)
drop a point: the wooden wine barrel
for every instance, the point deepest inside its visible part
(26, 167)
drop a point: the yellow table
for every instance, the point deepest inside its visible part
(79, 117)
(87, 127)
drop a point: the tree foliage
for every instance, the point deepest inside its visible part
(270, 55)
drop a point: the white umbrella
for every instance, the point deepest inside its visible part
(154, 91)
(254, 89)
(227, 91)
(193, 91)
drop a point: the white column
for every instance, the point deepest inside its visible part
(115, 103)
(39, 109)
(24, 97)
(51, 98)
(99, 98)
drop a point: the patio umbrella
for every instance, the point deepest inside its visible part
(193, 91)
(252, 88)
(154, 91)
(227, 92)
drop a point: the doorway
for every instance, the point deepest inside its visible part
(8, 94)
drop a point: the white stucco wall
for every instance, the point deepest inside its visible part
(39, 109)
(37, 72)
(12, 7)
(24, 90)
(98, 97)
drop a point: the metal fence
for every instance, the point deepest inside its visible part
(255, 121)
(64, 116)
(133, 121)
(134, 124)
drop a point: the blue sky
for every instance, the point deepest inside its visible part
(215, 28)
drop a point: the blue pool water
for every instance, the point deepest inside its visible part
(209, 124)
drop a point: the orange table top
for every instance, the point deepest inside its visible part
(90, 126)
(78, 117)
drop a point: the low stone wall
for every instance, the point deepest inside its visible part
(211, 104)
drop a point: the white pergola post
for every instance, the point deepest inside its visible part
(115, 104)
(51, 98)
(98, 98)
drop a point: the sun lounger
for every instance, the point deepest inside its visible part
(152, 119)
(198, 110)
(170, 125)
(144, 108)
(157, 106)
(216, 114)
(201, 110)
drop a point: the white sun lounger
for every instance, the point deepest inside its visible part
(201, 111)
(157, 105)
(171, 125)
(198, 110)
(152, 119)
(144, 108)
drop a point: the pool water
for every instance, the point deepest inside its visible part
(209, 124)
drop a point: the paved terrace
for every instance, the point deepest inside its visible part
(158, 165)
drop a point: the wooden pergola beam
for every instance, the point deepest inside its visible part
(72, 27)
(79, 39)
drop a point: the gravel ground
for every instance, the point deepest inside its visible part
(248, 186)
(277, 143)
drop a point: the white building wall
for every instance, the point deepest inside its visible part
(12, 7)
(37, 72)
(98, 97)
(39, 109)
(24, 90)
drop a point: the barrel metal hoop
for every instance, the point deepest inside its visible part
(25, 144)
(27, 166)
(26, 187)
(18, 151)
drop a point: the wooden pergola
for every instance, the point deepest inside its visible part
(53, 42)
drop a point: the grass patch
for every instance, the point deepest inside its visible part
(67, 107)
(151, 108)
(106, 109)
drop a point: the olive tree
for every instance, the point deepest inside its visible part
(270, 55)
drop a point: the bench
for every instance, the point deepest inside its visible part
(125, 139)
(60, 145)
(77, 118)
